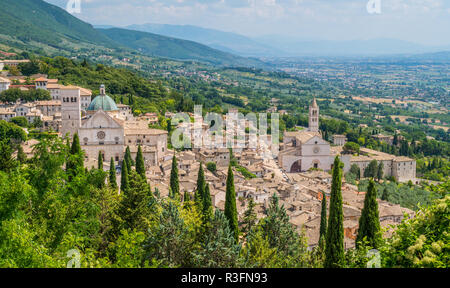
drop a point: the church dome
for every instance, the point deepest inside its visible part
(102, 102)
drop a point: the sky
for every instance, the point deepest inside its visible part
(425, 22)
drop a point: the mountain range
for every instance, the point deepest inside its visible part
(284, 46)
(47, 29)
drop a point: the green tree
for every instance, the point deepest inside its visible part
(369, 222)
(219, 248)
(74, 165)
(174, 181)
(230, 204)
(6, 160)
(207, 208)
(323, 218)
(385, 194)
(171, 242)
(371, 170)
(112, 174)
(100, 161)
(380, 172)
(212, 167)
(334, 247)
(135, 207)
(128, 159)
(200, 191)
(354, 169)
(140, 165)
(20, 121)
(250, 217)
(124, 184)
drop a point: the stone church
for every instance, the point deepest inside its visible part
(104, 128)
(303, 150)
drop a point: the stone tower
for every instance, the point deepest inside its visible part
(70, 110)
(313, 117)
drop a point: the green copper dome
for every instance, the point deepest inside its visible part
(102, 102)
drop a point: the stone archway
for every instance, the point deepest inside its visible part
(296, 167)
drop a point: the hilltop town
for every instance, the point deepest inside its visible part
(299, 175)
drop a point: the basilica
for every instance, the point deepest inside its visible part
(106, 128)
(305, 149)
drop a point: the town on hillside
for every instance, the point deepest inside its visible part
(300, 175)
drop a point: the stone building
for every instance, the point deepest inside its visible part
(339, 140)
(306, 149)
(104, 129)
(402, 168)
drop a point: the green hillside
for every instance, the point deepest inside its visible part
(38, 21)
(45, 29)
(162, 46)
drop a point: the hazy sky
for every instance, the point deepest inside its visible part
(420, 21)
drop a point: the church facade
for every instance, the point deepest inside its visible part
(105, 129)
(303, 150)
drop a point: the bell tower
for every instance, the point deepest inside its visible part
(70, 110)
(313, 117)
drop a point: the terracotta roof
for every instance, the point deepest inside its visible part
(144, 132)
(48, 103)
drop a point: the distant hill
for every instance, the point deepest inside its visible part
(225, 41)
(156, 45)
(35, 25)
(38, 21)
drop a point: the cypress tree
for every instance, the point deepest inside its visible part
(124, 184)
(250, 217)
(369, 223)
(140, 165)
(174, 182)
(75, 159)
(200, 192)
(100, 161)
(334, 250)
(128, 159)
(207, 205)
(323, 217)
(230, 204)
(380, 171)
(112, 174)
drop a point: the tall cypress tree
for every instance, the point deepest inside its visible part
(207, 205)
(100, 161)
(174, 182)
(129, 159)
(323, 218)
(200, 192)
(112, 174)
(140, 165)
(75, 160)
(369, 223)
(334, 250)
(230, 204)
(124, 184)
